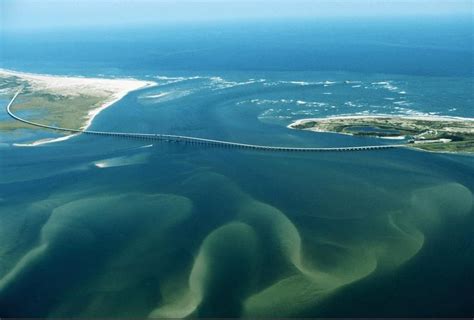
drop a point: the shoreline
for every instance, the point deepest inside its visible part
(432, 133)
(117, 89)
(420, 117)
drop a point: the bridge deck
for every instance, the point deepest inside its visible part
(194, 140)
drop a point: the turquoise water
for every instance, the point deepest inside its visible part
(107, 227)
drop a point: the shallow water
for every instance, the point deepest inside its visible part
(109, 227)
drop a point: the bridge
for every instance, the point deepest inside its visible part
(195, 140)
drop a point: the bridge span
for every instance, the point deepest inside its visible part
(195, 140)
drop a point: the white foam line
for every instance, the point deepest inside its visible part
(45, 141)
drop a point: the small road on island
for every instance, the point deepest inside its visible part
(196, 140)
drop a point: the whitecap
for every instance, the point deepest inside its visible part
(386, 85)
(402, 103)
(350, 104)
(218, 83)
(164, 80)
(301, 83)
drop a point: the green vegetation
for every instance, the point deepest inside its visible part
(431, 134)
(458, 146)
(47, 107)
(62, 111)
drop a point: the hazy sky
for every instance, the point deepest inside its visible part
(28, 14)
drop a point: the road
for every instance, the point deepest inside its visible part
(196, 140)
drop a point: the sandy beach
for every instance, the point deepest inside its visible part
(108, 91)
(427, 117)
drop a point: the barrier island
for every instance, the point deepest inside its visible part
(63, 101)
(430, 133)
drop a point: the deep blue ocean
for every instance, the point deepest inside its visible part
(108, 227)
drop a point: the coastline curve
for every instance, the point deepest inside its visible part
(196, 140)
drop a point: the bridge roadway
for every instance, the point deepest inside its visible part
(194, 140)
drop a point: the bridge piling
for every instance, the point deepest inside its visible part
(194, 140)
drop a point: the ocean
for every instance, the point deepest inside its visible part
(108, 227)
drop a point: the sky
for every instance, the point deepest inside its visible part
(44, 14)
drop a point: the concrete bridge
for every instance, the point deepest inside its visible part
(195, 140)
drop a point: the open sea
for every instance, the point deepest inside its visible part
(108, 227)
